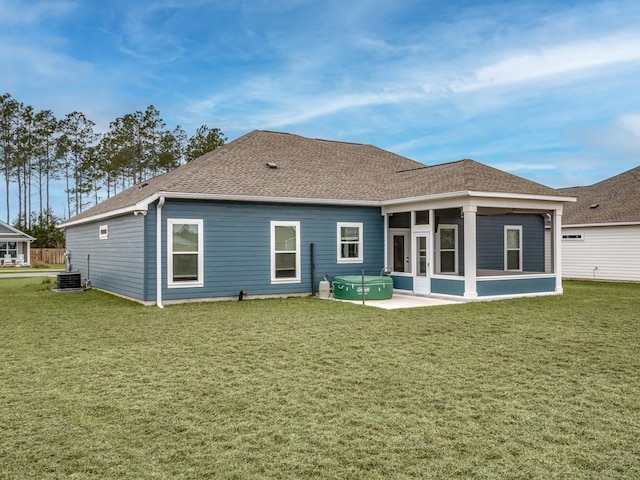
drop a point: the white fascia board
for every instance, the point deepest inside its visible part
(612, 224)
(424, 198)
(143, 205)
(476, 198)
(523, 196)
(261, 199)
(138, 207)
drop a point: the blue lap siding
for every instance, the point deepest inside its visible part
(516, 286)
(237, 249)
(115, 264)
(490, 238)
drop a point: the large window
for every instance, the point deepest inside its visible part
(447, 258)
(513, 248)
(8, 248)
(349, 242)
(285, 252)
(185, 253)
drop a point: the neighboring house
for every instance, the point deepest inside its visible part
(601, 230)
(246, 216)
(15, 246)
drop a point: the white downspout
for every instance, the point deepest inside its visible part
(159, 253)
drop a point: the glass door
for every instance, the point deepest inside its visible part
(421, 280)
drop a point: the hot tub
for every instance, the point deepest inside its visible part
(350, 287)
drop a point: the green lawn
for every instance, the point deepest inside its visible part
(93, 386)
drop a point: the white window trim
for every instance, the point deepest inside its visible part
(506, 249)
(274, 224)
(194, 283)
(103, 232)
(454, 227)
(360, 228)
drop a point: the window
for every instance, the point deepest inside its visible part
(447, 249)
(349, 242)
(421, 251)
(185, 253)
(285, 252)
(8, 248)
(513, 248)
(398, 253)
(104, 232)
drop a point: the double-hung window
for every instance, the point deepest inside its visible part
(513, 248)
(349, 242)
(447, 260)
(285, 252)
(185, 262)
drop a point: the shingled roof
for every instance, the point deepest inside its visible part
(274, 165)
(615, 200)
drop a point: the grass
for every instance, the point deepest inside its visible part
(33, 268)
(92, 386)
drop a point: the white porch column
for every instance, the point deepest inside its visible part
(432, 242)
(470, 263)
(556, 231)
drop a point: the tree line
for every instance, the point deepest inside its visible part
(37, 149)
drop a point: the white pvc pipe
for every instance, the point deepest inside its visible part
(159, 253)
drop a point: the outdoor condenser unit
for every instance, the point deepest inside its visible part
(69, 281)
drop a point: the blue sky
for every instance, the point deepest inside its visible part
(548, 90)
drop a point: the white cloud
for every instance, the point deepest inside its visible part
(522, 167)
(39, 66)
(554, 61)
(17, 12)
(631, 123)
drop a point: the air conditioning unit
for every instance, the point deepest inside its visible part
(69, 281)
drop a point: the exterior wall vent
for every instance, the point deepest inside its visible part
(272, 165)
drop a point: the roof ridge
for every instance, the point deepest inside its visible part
(317, 139)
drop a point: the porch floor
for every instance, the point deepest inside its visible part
(403, 301)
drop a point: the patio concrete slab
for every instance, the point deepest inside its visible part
(403, 301)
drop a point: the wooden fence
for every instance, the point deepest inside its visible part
(47, 255)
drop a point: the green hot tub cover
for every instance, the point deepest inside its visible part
(350, 287)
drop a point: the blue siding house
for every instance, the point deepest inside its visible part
(271, 214)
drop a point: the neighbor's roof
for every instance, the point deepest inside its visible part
(615, 200)
(9, 233)
(316, 169)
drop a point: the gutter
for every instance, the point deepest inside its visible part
(159, 253)
(143, 205)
